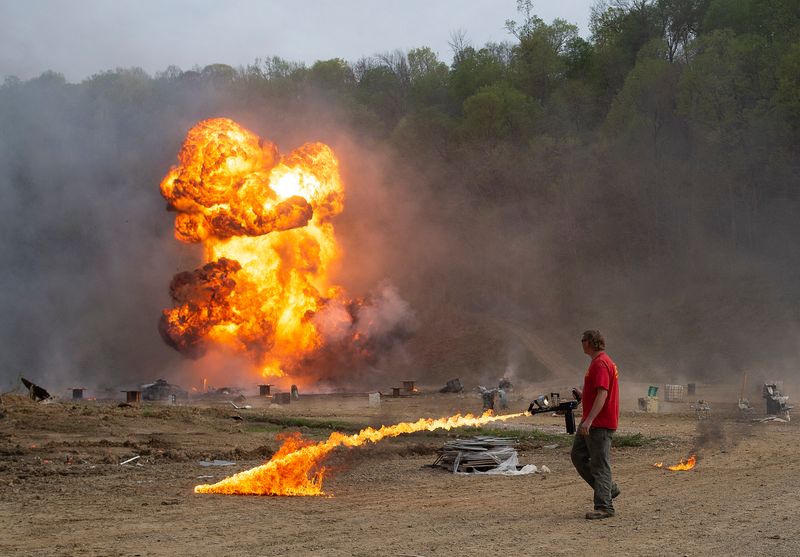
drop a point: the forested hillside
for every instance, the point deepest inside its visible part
(643, 181)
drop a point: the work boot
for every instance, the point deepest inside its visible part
(599, 514)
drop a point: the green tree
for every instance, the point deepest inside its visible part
(333, 76)
(775, 20)
(727, 79)
(380, 89)
(498, 112)
(680, 22)
(472, 70)
(218, 73)
(647, 102)
(539, 62)
(619, 31)
(429, 78)
(787, 98)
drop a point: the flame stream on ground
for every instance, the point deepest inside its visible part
(295, 469)
(683, 465)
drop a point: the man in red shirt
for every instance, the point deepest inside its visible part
(591, 450)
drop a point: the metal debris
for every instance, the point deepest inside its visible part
(770, 419)
(777, 402)
(162, 390)
(453, 386)
(702, 409)
(477, 454)
(36, 392)
(505, 384)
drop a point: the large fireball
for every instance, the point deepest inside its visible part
(265, 223)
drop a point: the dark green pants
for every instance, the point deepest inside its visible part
(591, 457)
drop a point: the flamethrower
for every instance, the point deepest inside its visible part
(553, 403)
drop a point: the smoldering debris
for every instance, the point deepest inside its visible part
(702, 409)
(37, 393)
(452, 386)
(505, 384)
(496, 398)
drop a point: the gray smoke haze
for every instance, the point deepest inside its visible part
(502, 259)
(88, 244)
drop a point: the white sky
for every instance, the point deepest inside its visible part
(79, 38)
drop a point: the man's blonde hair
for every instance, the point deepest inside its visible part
(595, 339)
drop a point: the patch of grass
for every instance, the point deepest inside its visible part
(261, 428)
(629, 440)
(310, 423)
(527, 436)
(536, 438)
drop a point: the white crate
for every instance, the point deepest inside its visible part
(673, 393)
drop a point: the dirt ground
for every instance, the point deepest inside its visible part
(64, 492)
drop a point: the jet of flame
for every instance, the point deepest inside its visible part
(684, 464)
(296, 468)
(265, 223)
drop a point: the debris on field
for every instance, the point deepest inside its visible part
(452, 386)
(162, 390)
(702, 409)
(482, 454)
(489, 397)
(36, 392)
(215, 462)
(777, 402)
(770, 419)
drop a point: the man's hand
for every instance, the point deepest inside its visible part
(583, 428)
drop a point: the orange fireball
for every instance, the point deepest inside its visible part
(265, 223)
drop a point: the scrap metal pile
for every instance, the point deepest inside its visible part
(478, 454)
(777, 402)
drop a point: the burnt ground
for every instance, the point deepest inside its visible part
(64, 492)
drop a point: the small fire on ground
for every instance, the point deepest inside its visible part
(296, 469)
(684, 464)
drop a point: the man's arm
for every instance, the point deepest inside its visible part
(599, 402)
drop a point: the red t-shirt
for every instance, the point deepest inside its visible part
(602, 373)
